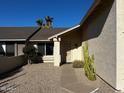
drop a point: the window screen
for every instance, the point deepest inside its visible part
(49, 48)
(41, 49)
(9, 49)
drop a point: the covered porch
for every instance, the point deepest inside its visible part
(67, 46)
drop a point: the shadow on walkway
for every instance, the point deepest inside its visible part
(74, 80)
(11, 73)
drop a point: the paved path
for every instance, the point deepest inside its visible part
(45, 78)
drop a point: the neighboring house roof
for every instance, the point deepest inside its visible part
(22, 33)
(15, 33)
(94, 5)
(44, 34)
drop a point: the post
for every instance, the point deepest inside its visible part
(57, 56)
(16, 49)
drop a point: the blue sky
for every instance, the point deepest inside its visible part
(66, 13)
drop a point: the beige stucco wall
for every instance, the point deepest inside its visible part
(100, 31)
(20, 49)
(120, 44)
(71, 48)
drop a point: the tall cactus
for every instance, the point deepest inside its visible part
(88, 63)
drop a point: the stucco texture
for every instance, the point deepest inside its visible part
(71, 46)
(100, 31)
(120, 44)
(8, 64)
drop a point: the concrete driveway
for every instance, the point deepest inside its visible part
(45, 78)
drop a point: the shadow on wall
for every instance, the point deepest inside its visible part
(98, 19)
(73, 40)
(69, 41)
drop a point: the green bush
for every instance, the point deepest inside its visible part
(77, 64)
(89, 63)
(30, 52)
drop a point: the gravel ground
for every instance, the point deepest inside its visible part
(45, 78)
(36, 78)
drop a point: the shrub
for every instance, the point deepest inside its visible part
(89, 64)
(77, 64)
(30, 52)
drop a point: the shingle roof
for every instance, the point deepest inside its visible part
(24, 32)
(44, 34)
(16, 32)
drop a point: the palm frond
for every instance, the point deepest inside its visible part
(39, 22)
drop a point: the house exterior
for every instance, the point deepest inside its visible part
(102, 27)
(12, 41)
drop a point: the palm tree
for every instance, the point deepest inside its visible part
(39, 22)
(29, 49)
(49, 21)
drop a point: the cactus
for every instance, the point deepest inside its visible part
(89, 63)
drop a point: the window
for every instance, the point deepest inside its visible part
(7, 49)
(10, 49)
(49, 48)
(45, 49)
(2, 52)
(41, 49)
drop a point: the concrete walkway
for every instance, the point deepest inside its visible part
(45, 78)
(74, 80)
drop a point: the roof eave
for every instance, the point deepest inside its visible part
(94, 5)
(68, 30)
(12, 39)
(39, 40)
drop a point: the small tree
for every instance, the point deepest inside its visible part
(30, 52)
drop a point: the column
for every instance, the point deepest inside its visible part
(57, 56)
(16, 49)
(120, 45)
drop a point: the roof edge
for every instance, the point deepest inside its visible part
(12, 39)
(39, 40)
(68, 30)
(90, 10)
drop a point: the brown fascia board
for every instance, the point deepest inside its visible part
(94, 5)
(15, 40)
